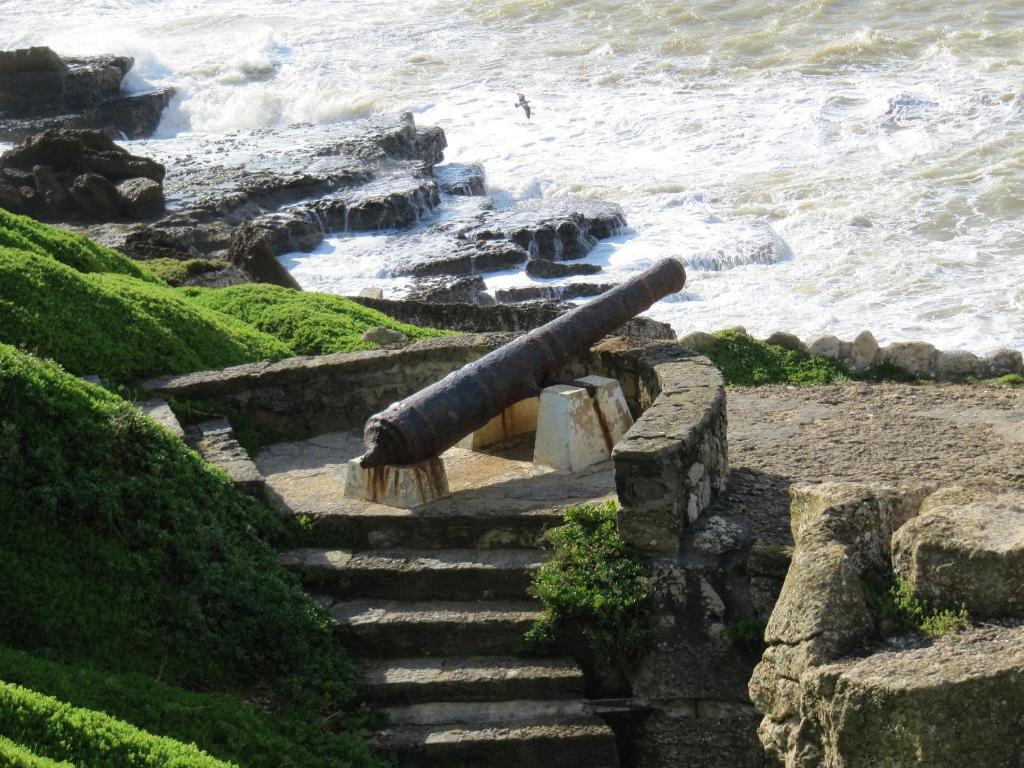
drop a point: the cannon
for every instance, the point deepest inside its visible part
(424, 425)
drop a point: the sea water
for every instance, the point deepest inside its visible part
(879, 146)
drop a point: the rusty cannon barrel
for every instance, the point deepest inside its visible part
(424, 425)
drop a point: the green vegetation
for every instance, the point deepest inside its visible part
(597, 582)
(124, 551)
(898, 611)
(89, 738)
(16, 756)
(1011, 380)
(226, 726)
(116, 325)
(177, 271)
(309, 323)
(25, 234)
(745, 361)
(747, 634)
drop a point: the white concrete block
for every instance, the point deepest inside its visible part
(405, 487)
(518, 419)
(575, 430)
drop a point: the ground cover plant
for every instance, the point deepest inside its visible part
(310, 323)
(746, 362)
(124, 551)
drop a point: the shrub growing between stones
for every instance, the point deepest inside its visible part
(898, 611)
(746, 361)
(595, 583)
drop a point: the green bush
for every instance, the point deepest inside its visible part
(115, 325)
(310, 323)
(26, 234)
(594, 582)
(88, 738)
(16, 756)
(123, 550)
(745, 361)
(897, 610)
(1011, 380)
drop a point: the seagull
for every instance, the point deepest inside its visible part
(524, 104)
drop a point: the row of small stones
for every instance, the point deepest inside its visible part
(917, 358)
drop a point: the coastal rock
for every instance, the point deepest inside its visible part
(787, 340)
(464, 290)
(142, 198)
(915, 357)
(11, 198)
(40, 91)
(96, 197)
(552, 292)
(251, 252)
(825, 346)
(543, 268)
(748, 243)
(469, 259)
(553, 230)
(958, 364)
(290, 231)
(462, 179)
(385, 337)
(698, 341)
(1005, 361)
(865, 352)
(68, 174)
(967, 546)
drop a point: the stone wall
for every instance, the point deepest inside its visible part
(496, 318)
(310, 395)
(690, 689)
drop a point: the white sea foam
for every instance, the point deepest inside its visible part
(712, 124)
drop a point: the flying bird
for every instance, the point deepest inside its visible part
(524, 104)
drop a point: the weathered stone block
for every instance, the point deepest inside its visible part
(915, 357)
(404, 487)
(575, 430)
(865, 352)
(967, 546)
(826, 346)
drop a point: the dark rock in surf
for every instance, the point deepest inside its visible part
(251, 252)
(544, 268)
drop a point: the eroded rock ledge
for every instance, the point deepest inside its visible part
(835, 692)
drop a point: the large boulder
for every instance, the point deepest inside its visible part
(96, 197)
(40, 90)
(251, 252)
(967, 546)
(69, 173)
(956, 703)
(31, 81)
(141, 198)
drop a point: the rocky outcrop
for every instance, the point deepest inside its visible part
(950, 702)
(462, 179)
(552, 292)
(545, 268)
(61, 175)
(251, 252)
(39, 90)
(967, 548)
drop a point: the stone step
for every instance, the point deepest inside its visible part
(381, 527)
(161, 412)
(448, 574)
(471, 678)
(510, 734)
(216, 443)
(391, 629)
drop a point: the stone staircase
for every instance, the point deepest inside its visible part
(433, 603)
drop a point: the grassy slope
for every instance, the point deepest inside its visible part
(56, 730)
(123, 550)
(116, 325)
(310, 323)
(746, 361)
